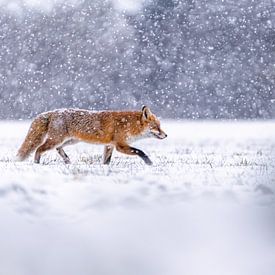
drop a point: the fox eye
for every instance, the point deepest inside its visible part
(153, 127)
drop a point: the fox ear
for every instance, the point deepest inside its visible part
(146, 112)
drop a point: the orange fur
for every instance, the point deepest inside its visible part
(58, 128)
(34, 138)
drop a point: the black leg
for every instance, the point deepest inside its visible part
(64, 156)
(108, 150)
(126, 149)
(142, 155)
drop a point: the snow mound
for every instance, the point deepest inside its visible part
(206, 206)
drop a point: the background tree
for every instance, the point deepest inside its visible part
(185, 58)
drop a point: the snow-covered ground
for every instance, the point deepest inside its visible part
(206, 206)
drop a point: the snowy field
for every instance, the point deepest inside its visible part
(206, 206)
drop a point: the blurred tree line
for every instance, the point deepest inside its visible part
(184, 58)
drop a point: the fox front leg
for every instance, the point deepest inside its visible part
(108, 151)
(126, 149)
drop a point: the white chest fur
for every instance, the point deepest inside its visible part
(145, 134)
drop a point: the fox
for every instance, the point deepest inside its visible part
(113, 129)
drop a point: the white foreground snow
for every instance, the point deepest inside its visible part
(206, 206)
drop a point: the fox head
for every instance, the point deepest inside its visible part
(152, 123)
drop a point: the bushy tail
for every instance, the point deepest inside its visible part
(35, 136)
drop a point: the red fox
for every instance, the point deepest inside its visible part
(115, 129)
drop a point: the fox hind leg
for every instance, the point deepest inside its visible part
(126, 149)
(61, 151)
(108, 151)
(64, 156)
(47, 145)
